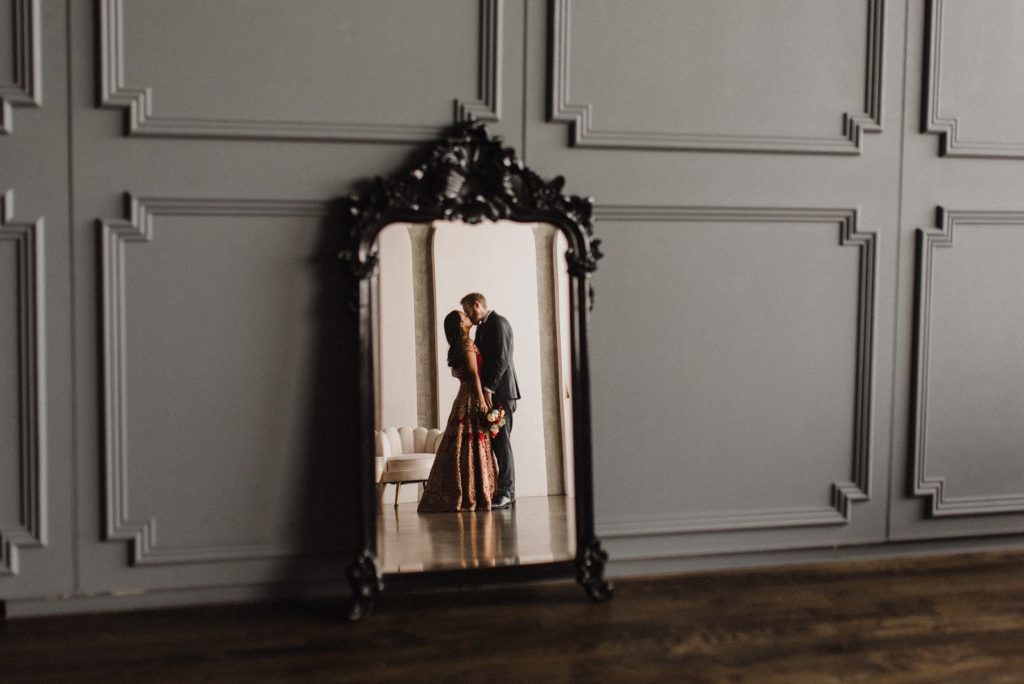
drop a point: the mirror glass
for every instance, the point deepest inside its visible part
(424, 272)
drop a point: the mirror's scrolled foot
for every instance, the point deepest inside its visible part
(358, 608)
(364, 576)
(590, 572)
(599, 590)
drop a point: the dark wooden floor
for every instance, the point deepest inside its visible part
(955, 619)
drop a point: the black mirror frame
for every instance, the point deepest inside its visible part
(469, 176)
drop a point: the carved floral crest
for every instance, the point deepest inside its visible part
(468, 176)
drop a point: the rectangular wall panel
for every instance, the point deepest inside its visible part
(737, 76)
(366, 72)
(971, 85)
(21, 63)
(15, 412)
(969, 363)
(204, 374)
(766, 333)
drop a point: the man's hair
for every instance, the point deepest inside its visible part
(472, 298)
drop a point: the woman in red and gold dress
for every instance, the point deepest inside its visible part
(464, 471)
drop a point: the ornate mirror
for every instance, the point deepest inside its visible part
(469, 219)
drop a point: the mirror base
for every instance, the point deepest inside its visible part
(590, 572)
(365, 578)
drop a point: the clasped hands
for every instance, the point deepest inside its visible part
(486, 401)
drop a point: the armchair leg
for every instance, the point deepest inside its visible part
(398, 487)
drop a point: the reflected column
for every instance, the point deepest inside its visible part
(421, 238)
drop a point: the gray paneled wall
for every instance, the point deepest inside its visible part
(808, 332)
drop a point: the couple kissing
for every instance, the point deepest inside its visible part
(473, 469)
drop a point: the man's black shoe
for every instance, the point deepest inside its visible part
(501, 501)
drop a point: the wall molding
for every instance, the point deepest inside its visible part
(140, 119)
(843, 493)
(114, 235)
(487, 106)
(934, 488)
(31, 532)
(26, 90)
(583, 134)
(948, 127)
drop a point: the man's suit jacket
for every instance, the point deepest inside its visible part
(494, 338)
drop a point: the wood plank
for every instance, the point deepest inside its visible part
(949, 619)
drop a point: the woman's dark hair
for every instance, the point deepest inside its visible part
(453, 333)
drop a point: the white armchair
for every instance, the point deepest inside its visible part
(404, 455)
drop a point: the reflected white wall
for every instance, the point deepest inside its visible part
(395, 361)
(500, 261)
(396, 332)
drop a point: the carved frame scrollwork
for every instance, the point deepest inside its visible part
(470, 176)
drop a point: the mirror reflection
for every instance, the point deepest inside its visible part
(456, 488)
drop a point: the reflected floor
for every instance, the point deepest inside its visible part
(538, 529)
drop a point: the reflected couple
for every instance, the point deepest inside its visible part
(473, 469)
(450, 383)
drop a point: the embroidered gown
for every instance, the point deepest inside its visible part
(464, 472)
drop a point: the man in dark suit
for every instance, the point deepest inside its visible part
(494, 338)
